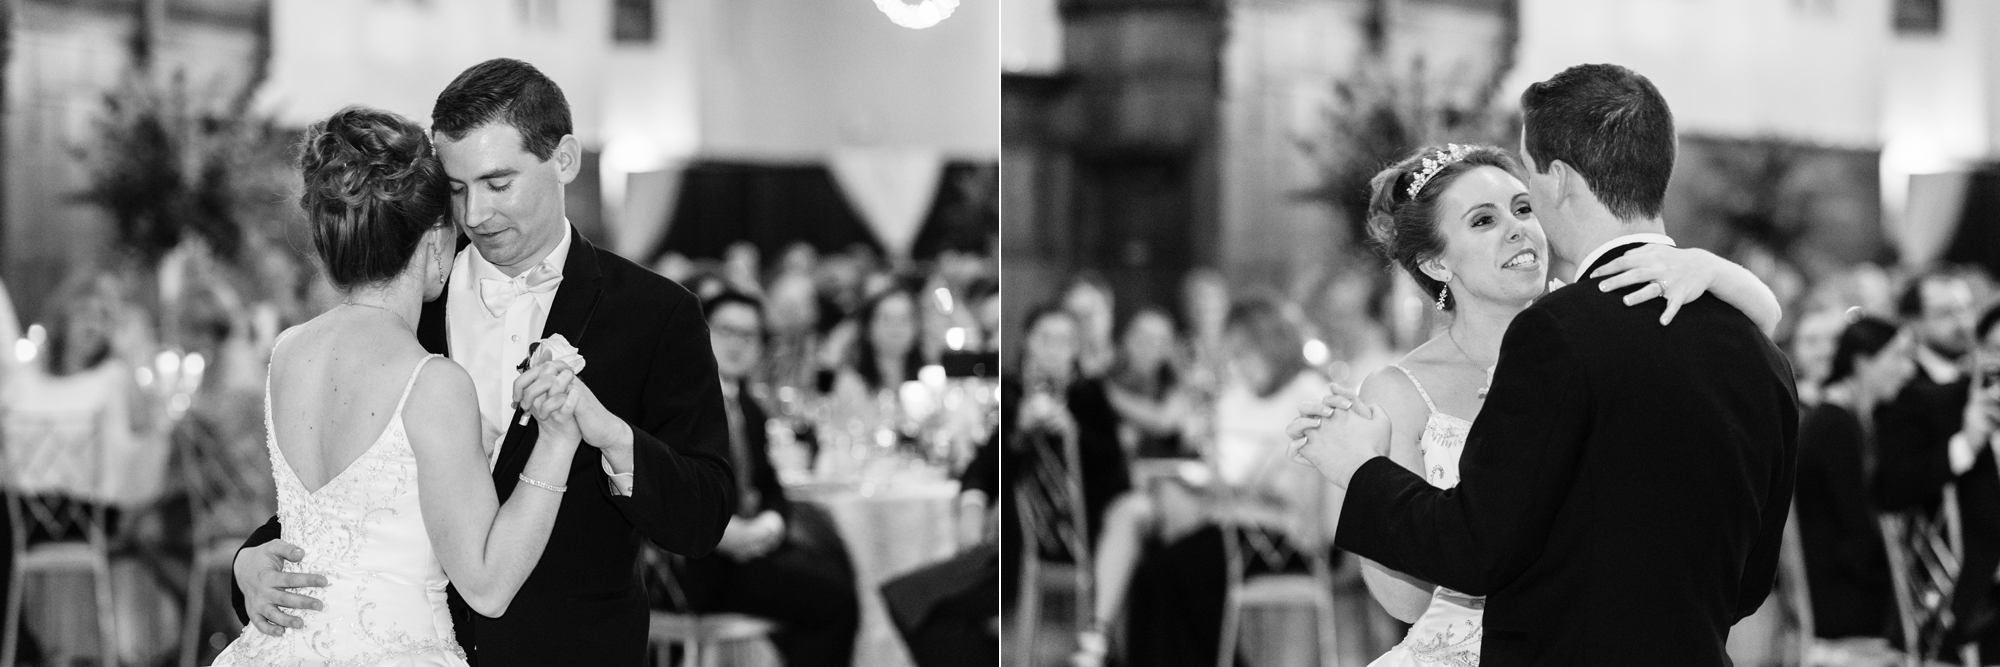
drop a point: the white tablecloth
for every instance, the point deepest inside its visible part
(889, 530)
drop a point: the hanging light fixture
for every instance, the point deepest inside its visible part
(923, 14)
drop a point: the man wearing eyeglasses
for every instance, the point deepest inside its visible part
(776, 560)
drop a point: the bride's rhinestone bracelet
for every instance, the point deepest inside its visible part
(532, 482)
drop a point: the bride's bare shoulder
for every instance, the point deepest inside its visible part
(1392, 389)
(445, 384)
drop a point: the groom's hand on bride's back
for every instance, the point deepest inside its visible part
(1340, 434)
(260, 573)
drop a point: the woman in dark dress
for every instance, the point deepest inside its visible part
(1049, 397)
(1847, 567)
(1145, 388)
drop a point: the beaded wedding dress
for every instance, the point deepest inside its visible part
(1449, 632)
(385, 597)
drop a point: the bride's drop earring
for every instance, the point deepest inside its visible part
(442, 273)
(1442, 291)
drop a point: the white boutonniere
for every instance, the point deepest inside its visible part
(557, 349)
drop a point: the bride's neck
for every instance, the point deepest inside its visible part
(1479, 325)
(401, 296)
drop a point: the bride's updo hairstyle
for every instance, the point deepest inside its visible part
(1404, 228)
(372, 188)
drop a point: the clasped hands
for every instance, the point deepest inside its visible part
(1337, 434)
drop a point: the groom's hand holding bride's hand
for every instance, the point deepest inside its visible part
(551, 373)
(1339, 434)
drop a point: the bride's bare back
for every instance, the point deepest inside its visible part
(334, 385)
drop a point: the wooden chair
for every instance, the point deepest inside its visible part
(1311, 591)
(705, 638)
(1050, 507)
(225, 502)
(1925, 552)
(51, 460)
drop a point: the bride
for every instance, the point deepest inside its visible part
(1457, 219)
(374, 443)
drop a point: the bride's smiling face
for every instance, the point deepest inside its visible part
(1494, 248)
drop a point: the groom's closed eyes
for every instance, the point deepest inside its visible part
(497, 180)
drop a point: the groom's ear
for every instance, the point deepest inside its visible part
(1562, 173)
(568, 158)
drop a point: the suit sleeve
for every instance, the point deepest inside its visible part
(271, 530)
(1760, 571)
(1913, 456)
(1518, 463)
(683, 490)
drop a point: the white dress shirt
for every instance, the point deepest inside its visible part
(490, 347)
(1583, 267)
(1940, 369)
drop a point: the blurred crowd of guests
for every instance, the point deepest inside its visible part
(841, 330)
(1177, 420)
(1177, 416)
(1900, 380)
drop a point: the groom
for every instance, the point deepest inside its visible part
(651, 404)
(1625, 487)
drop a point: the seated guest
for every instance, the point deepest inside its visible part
(1144, 386)
(1938, 431)
(946, 611)
(776, 560)
(1177, 592)
(1047, 396)
(1812, 346)
(1205, 307)
(983, 297)
(793, 308)
(1847, 567)
(1089, 300)
(85, 381)
(886, 353)
(1165, 546)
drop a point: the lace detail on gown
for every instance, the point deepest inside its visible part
(363, 529)
(1449, 632)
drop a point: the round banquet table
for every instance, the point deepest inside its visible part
(889, 529)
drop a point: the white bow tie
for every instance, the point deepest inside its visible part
(497, 295)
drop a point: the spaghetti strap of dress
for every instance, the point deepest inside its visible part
(411, 384)
(1420, 386)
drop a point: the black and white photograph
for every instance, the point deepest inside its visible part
(500, 332)
(1514, 332)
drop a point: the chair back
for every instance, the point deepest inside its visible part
(1305, 535)
(228, 480)
(1049, 500)
(1925, 551)
(659, 567)
(50, 460)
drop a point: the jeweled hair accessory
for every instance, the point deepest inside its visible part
(1450, 154)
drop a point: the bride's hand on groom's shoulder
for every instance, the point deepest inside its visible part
(1678, 274)
(1348, 433)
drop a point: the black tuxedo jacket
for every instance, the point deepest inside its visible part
(651, 365)
(1622, 494)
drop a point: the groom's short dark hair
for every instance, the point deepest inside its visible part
(505, 90)
(1609, 124)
